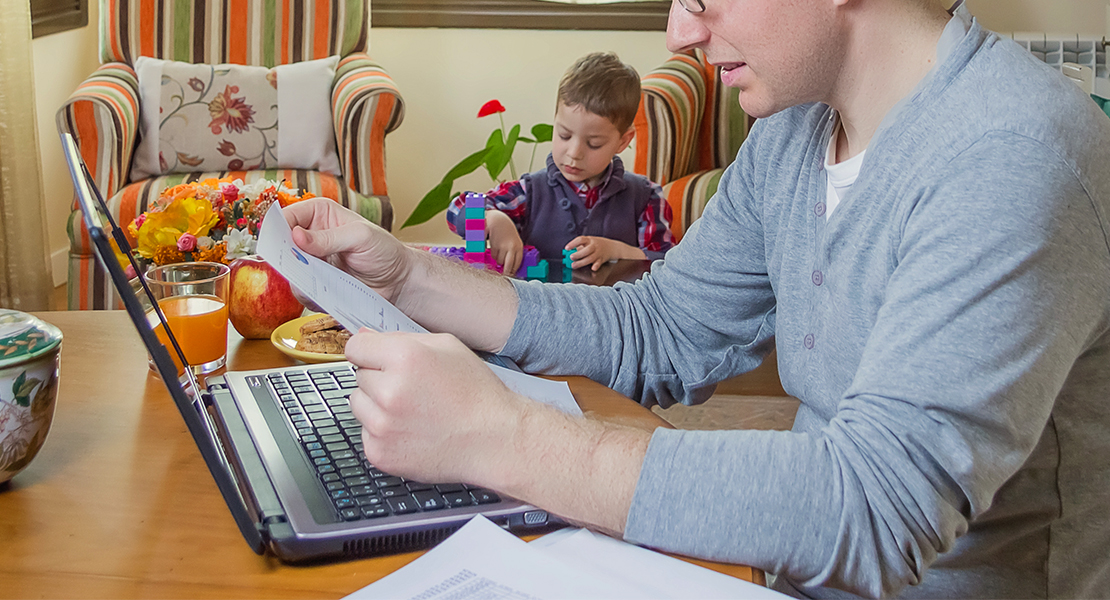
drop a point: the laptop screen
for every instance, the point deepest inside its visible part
(185, 390)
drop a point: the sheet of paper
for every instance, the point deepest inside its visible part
(555, 393)
(481, 561)
(335, 291)
(653, 575)
(355, 305)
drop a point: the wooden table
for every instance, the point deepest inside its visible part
(119, 503)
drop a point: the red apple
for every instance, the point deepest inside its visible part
(259, 298)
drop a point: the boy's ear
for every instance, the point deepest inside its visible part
(626, 139)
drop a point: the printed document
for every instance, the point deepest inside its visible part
(482, 561)
(355, 305)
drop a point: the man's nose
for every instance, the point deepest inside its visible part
(685, 30)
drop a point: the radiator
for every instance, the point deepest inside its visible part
(1081, 58)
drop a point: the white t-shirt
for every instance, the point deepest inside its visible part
(840, 177)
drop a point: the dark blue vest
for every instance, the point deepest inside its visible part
(556, 215)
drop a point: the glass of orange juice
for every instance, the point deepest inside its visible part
(193, 297)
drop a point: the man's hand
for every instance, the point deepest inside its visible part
(327, 230)
(431, 410)
(504, 241)
(596, 251)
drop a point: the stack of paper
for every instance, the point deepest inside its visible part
(481, 561)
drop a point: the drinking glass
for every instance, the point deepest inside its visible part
(193, 297)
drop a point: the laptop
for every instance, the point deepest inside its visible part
(283, 447)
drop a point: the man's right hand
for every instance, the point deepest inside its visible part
(504, 241)
(327, 230)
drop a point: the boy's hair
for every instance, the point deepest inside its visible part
(602, 84)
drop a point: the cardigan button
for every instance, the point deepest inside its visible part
(818, 278)
(570, 226)
(819, 209)
(808, 341)
(564, 203)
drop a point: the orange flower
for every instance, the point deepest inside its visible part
(217, 253)
(166, 255)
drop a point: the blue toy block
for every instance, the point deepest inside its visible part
(476, 246)
(474, 213)
(566, 257)
(538, 271)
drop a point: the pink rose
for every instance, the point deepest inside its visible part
(140, 220)
(241, 223)
(129, 272)
(230, 192)
(187, 242)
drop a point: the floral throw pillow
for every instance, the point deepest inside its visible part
(197, 117)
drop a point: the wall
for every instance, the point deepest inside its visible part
(445, 76)
(62, 61)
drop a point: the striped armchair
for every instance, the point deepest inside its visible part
(688, 129)
(103, 113)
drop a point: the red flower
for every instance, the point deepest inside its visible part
(226, 148)
(229, 111)
(493, 106)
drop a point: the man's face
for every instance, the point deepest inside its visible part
(584, 143)
(779, 53)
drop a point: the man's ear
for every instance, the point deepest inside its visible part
(626, 139)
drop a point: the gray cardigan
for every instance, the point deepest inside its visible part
(946, 331)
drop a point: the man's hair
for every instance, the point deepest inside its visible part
(602, 84)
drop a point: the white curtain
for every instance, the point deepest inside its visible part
(25, 279)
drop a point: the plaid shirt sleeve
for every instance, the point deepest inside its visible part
(655, 225)
(509, 198)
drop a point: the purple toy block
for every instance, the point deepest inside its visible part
(475, 200)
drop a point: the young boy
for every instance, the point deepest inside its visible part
(584, 199)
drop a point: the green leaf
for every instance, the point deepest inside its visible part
(526, 140)
(466, 166)
(542, 132)
(434, 202)
(27, 387)
(495, 140)
(18, 383)
(497, 160)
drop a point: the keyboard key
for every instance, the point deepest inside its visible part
(325, 469)
(388, 480)
(352, 472)
(317, 453)
(337, 446)
(447, 488)
(329, 477)
(331, 439)
(322, 460)
(341, 454)
(342, 503)
(334, 485)
(416, 486)
(371, 512)
(351, 514)
(482, 496)
(393, 491)
(357, 481)
(348, 462)
(340, 493)
(402, 505)
(428, 500)
(363, 490)
(369, 501)
(456, 499)
(327, 431)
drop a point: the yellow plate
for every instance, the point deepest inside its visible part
(287, 334)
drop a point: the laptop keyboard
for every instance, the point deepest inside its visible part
(315, 402)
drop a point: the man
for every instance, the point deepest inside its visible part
(918, 222)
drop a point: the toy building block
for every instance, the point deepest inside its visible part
(566, 257)
(531, 258)
(538, 271)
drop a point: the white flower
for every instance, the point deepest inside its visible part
(240, 243)
(251, 191)
(204, 242)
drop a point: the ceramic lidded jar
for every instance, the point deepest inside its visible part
(29, 359)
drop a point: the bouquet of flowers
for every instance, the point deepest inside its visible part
(215, 220)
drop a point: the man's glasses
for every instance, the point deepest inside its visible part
(694, 6)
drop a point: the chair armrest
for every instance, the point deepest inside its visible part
(366, 106)
(102, 114)
(673, 100)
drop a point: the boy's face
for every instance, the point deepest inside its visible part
(585, 143)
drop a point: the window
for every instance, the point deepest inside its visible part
(52, 16)
(520, 14)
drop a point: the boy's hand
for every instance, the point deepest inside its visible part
(596, 251)
(504, 241)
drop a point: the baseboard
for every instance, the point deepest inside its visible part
(59, 264)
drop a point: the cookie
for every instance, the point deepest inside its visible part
(327, 341)
(320, 324)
